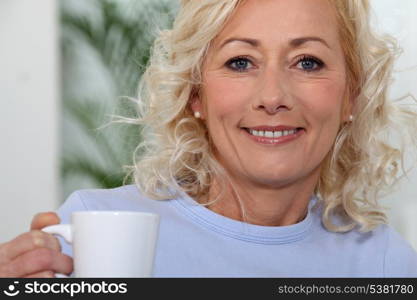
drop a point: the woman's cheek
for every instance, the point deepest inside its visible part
(227, 96)
(324, 98)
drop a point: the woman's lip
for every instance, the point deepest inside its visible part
(275, 140)
(272, 128)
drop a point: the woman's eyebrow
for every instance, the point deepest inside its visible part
(294, 43)
(252, 42)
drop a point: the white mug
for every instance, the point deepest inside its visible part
(111, 243)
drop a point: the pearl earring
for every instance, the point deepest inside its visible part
(351, 118)
(197, 114)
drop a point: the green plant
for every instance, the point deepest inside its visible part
(105, 47)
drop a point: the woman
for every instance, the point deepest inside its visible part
(269, 115)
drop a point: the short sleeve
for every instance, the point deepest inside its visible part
(400, 258)
(72, 203)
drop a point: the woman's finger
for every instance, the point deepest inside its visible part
(44, 274)
(39, 260)
(26, 242)
(44, 219)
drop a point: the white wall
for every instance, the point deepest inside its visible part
(398, 18)
(29, 102)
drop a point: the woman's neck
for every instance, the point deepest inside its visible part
(262, 205)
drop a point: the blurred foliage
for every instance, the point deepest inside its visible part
(105, 47)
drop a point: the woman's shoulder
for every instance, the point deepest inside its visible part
(386, 246)
(126, 197)
(380, 252)
(400, 259)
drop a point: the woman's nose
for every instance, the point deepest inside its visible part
(272, 95)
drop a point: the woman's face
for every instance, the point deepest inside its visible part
(273, 90)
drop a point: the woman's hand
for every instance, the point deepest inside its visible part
(35, 253)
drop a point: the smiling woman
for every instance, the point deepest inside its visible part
(254, 71)
(273, 104)
(264, 127)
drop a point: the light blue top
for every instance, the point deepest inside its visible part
(197, 242)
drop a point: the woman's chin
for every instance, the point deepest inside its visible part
(273, 181)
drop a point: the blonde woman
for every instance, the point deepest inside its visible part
(264, 150)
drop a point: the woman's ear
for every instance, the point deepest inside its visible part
(347, 111)
(196, 105)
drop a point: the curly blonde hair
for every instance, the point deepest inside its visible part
(175, 155)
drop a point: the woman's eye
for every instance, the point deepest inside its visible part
(309, 64)
(239, 64)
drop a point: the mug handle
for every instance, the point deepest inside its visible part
(63, 230)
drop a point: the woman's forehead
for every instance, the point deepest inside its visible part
(281, 20)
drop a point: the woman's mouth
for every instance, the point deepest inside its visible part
(274, 137)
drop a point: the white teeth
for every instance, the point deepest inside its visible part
(272, 134)
(269, 134)
(277, 134)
